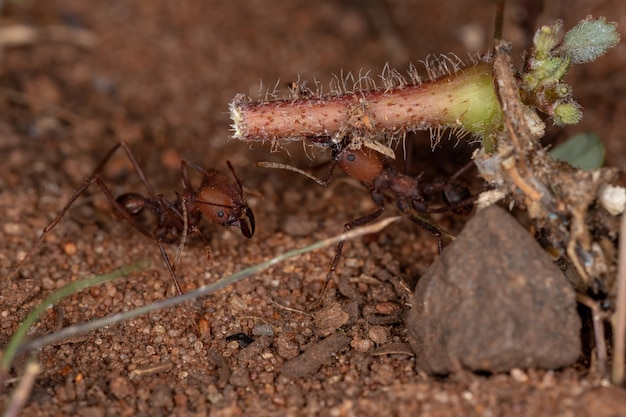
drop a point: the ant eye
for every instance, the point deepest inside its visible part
(351, 157)
(220, 213)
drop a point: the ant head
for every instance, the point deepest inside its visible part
(220, 201)
(219, 206)
(362, 164)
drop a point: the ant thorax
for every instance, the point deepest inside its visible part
(405, 187)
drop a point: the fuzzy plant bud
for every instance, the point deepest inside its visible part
(546, 39)
(588, 40)
(567, 114)
(548, 61)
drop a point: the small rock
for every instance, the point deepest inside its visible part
(602, 402)
(315, 356)
(382, 313)
(286, 347)
(12, 228)
(70, 248)
(240, 378)
(331, 318)
(91, 411)
(121, 388)
(384, 373)
(493, 301)
(255, 349)
(378, 334)
(263, 330)
(161, 397)
(361, 345)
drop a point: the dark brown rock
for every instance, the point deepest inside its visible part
(493, 301)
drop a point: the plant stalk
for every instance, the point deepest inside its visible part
(464, 100)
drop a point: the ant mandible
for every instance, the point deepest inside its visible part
(217, 199)
(373, 170)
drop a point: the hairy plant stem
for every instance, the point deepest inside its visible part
(465, 100)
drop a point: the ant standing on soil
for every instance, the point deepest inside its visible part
(373, 170)
(217, 199)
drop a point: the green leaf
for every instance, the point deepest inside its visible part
(584, 151)
(589, 39)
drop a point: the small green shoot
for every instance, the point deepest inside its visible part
(72, 288)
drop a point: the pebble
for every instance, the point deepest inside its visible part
(493, 301)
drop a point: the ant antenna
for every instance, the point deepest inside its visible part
(232, 170)
(276, 165)
(183, 236)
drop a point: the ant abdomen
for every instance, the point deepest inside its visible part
(133, 203)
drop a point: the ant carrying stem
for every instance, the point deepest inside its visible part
(217, 199)
(373, 170)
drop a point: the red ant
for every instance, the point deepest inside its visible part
(217, 199)
(373, 170)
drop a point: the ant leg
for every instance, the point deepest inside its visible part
(133, 161)
(52, 225)
(131, 220)
(105, 190)
(463, 169)
(437, 231)
(201, 238)
(169, 267)
(105, 160)
(183, 237)
(348, 226)
(455, 206)
(140, 173)
(120, 209)
(184, 174)
(93, 179)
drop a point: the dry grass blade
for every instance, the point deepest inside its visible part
(22, 392)
(202, 291)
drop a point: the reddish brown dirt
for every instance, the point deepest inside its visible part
(159, 76)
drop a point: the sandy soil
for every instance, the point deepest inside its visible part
(160, 75)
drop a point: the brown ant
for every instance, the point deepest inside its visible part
(374, 171)
(217, 199)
